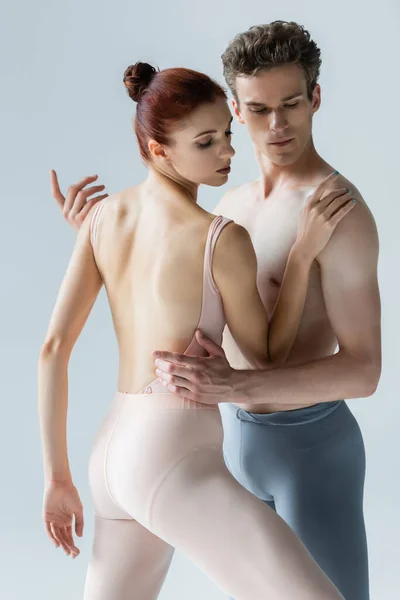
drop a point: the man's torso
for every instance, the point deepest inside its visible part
(272, 225)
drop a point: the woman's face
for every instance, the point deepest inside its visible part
(200, 149)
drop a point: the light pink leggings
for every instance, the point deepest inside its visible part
(159, 482)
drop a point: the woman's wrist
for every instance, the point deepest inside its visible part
(59, 477)
(301, 254)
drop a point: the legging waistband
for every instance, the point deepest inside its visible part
(296, 416)
(163, 400)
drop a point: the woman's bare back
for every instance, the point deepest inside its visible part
(150, 253)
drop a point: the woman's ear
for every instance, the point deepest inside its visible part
(158, 151)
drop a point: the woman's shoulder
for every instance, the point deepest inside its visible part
(114, 211)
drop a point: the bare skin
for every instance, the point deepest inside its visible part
(150, 257)
(342, 306)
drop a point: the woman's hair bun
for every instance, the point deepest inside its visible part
(137, 79)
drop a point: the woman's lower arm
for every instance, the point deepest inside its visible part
(53, 404)
(285, 319)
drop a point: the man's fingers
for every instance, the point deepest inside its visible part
(89, 205)
(212, 348)
(173, 368)
(74, 190)
(81, 199)
(91, 190)
(84, 182)
(174, 357)
(177, 385)
(55, 189)
(174, 380)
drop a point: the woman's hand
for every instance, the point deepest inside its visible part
(60, 503)
(320, 216)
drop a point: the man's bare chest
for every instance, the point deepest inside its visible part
(273, 230)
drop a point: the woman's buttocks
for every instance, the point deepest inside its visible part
(144, 436)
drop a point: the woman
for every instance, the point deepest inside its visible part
(157, 473)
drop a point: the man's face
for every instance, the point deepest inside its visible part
(277, 111)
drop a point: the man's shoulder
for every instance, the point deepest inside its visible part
(356, 232)
(361, 216)
(232, 196)
(243, 187)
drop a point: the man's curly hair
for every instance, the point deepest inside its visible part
(273, 45)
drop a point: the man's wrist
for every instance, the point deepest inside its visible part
(239, 389)
(248, 386)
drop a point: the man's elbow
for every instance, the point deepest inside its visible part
(371, 374)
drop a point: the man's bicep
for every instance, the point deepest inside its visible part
(350, 286)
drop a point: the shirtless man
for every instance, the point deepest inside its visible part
(289, 436)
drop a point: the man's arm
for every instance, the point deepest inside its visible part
(77, 204)
(349, 280)
(350, 287)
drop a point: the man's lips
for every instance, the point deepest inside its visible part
(281, 142)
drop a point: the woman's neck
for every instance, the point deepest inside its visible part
(174, 182)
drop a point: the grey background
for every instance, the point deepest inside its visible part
(63, 106)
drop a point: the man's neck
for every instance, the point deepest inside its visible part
(299, 174)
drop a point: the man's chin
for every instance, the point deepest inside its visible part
(282, 160)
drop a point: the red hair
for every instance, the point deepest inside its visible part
(164, 98)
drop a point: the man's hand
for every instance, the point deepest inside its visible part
(76, 204)
(208, 380)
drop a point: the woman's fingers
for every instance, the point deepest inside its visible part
(79, 523)
(50, 534)
(64, 535)
(325, 183)
(317, 202)
(74, 549)
(55, 530)
(336, 204)
(342, 212)
(333, 195)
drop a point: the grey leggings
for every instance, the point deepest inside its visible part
(308, 464)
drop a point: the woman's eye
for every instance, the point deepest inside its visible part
(206, 145)
(228, 133)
